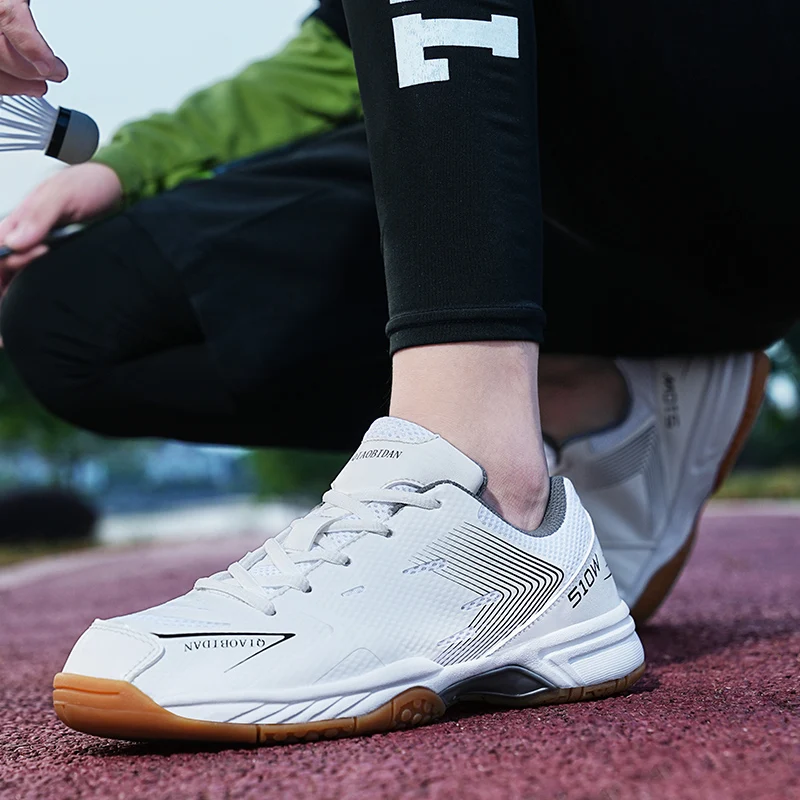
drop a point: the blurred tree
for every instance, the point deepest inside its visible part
(296, 473)
(793, 342)
(45, 514)
(775, 441)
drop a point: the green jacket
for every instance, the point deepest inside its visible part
(307, 88)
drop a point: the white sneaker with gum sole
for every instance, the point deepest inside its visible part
(646, 481)
(400, 595)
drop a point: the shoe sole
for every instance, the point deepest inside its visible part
(663, 580)
(118, 710)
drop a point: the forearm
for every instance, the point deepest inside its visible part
(307, 88)
(453, 143)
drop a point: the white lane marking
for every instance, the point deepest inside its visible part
(741, 509)
(54, 566)
(196, 532)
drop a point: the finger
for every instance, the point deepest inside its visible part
(17, 261)
(25, 235)
(32, 223)
(7, 225)
(10, 84)
(61, 72)
(16, 22)
(16, 64)
(29, 224)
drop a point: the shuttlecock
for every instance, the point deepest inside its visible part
(30, 123)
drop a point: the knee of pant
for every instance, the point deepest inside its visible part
(37, 342)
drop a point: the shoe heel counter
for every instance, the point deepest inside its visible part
(578, 524)
(591, 589)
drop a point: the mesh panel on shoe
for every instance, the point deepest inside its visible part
(335, 540)
(556, 536)
(622, 464)
(392, 429)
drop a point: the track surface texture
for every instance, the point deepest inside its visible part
(717, 714)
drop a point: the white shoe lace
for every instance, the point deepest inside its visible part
(302, 543)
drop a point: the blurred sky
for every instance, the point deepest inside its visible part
(128, 60)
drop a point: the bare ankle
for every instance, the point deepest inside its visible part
(482, 398)
(579, 395)
(519, 496)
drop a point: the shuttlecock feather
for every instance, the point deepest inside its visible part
(30, 123)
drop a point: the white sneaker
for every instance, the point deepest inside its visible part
(645, 482)
(397, 597)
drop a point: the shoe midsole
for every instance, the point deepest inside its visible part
(601, 649)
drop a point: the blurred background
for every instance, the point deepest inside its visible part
(63, 484)
(126, 63)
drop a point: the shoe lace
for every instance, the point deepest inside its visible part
(304, 542)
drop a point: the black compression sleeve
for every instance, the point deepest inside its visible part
(449, 92)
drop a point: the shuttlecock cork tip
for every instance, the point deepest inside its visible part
(75, 137)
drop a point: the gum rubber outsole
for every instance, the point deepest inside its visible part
(118, 710)
(660, 584)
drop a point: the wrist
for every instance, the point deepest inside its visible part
(125, 169)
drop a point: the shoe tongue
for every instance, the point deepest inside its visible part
(395, 451)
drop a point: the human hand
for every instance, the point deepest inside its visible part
(76, 194)
(26, 60)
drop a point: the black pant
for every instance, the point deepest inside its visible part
(662, 134)
(249, 309)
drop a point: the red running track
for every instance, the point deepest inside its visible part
(717, 714)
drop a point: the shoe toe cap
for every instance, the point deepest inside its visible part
(114, 651)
